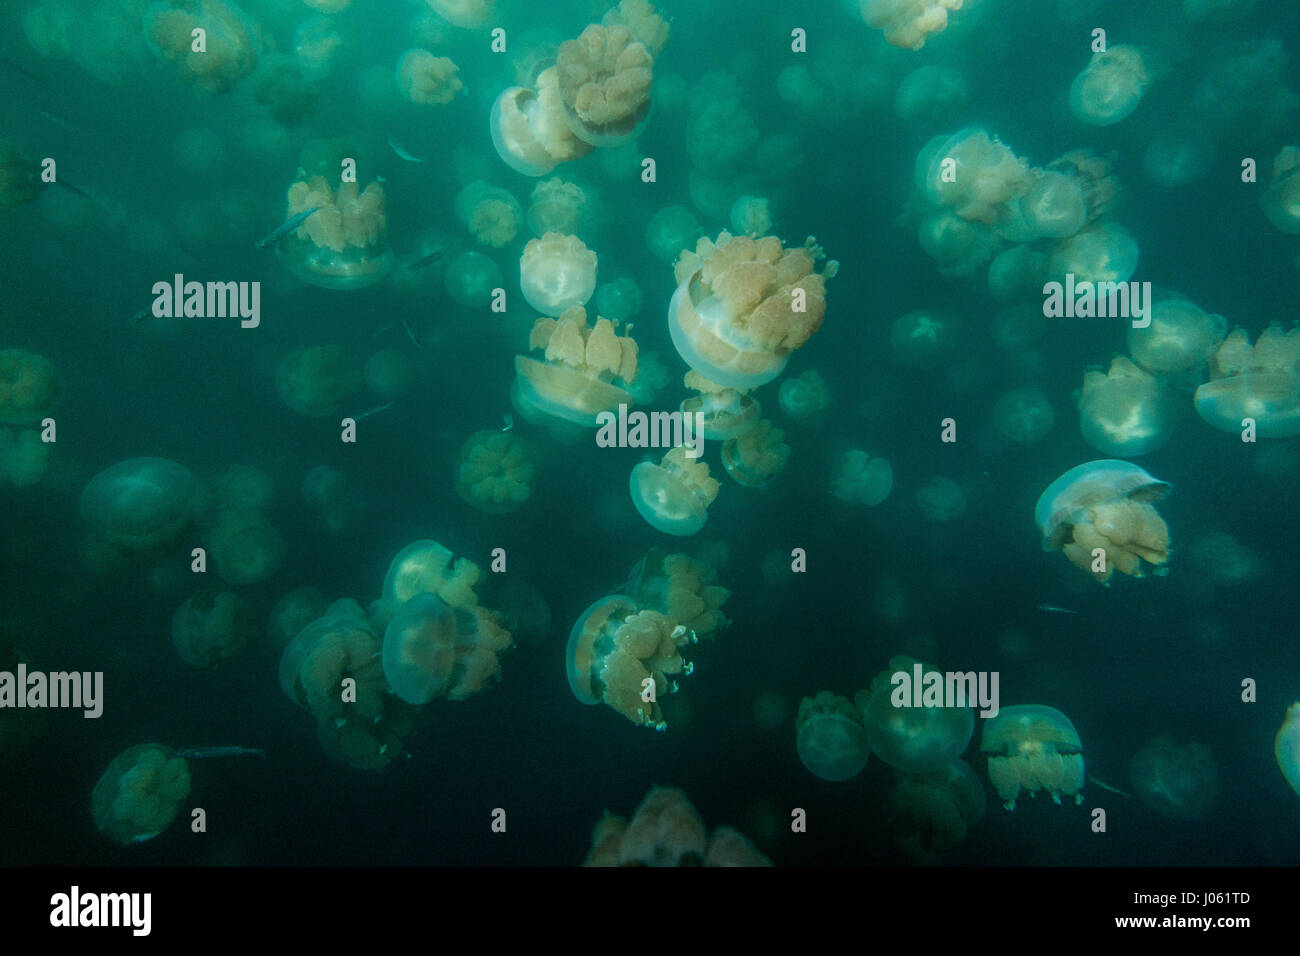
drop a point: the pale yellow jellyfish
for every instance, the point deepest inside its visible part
(494, 472)
(727, 412)
(431, 650)
(1031, 747)
(975, 175)
(757, 455)
(680, 587)
(426, 567)
(1124, 411)
(1259, 382)
(428, 80)
(1181, 337)
(231, 41)
(557, 206)
(139, 504)
(859, 479)
(1286, 747)
(1110, 87)
(468, 14)
(674, 495)
(140, 793)
(529, 128)
(344, 243)
(667, 831)
(908, 23)
(605, 76)
(579, 375)
(492, 215)
(556, 273)
(917, 739)
(642, 21)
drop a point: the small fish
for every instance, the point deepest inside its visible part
(73, 189)
(19, 68)
(403, 152)
(411, 335)
(201, 753)
(293, 222)
(1053, 609)
(58, 120)
(378, 332)
(509, 421)
(373, 411)
(1105, 786)
(423, 261)
(141, 315)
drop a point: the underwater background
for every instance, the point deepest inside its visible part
(178, 179)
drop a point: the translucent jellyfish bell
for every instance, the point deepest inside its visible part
(1125, 411)
(1179, 781)
(1281, 200)
(1260, 382)
(674, 495)
(29, 385)
(426, 567)
(1055, 207)
(1032, 747)
(467, 14)
(139, 503)
(344, 244)
(757, 455)
(924, 338)
(1286, 747)
(470, 279)
(1180, 337)
(140, 793)
(419, 651)
(605, 77)
(859, 479)
(1110, 86)
(831, 740)
(581, 653)
(912, 738)
(1101, 253)
(1023, 415)
(556, 273)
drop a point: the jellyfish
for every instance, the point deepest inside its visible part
(860, 479)
(669, 231)
(751, 216)
(1178, 156)
(1023, 415)
(467, 14)
(916, 739)
(287, 94)
(923, 339)
(529, 127)
(344, 244)
(1176, 780)
(1260, 382)
(674, 495)
(1180, 337)
(727, 412)
(557, 206)
(604, 78)
(757, 455)
(30, 387)
(805, 395)
(140, 503)
(294, 611)
(975, 175)
(1101, 253)
(941, 499)
(431, 650)
(1223, 559)
(642, 21)
(1281, 200)
(316, 381)
(315, 44)
(1101, 515)
(23, 457)
(494, 471)
(667, 831)
(245, 548)
(617, 654)
(1031, 747)
(471, 279)
(492, 215)
(578, 378)
(931, 812)
(908, 23)
(1110, 87)
(20, 178)
(1054, 208)
(210, 628)
(232, 41)
(1124, 411)
(1093, 176)
(720, 132)
(1286, 747)
(618, 301)
(930, 94)
(140, 793)
(426, 567)
(556, 273)
(959, 247)
(830, 737)
(428, 80)
(680, 587)
(742, 305)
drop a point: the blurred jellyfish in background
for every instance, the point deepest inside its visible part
(232, 41)
(1178, 156)
(139, 504)
(1100, 515)
(210, 628)
(923, 339)
(294, 611)
(931, 94)
(666, 830)
(325, 489)
(583, 372)
(1016, 275)
(316, 43)
(804, 395)
(931, 812)
(23, 457)
(471, 278)
(467, 14)
(491, 214)
(1222, 559)
(669, 231)
(604, 79)
(735, 317)
(681, 587)
(941, 499)
(1179, 339)
(911, 738)
(428, 80)
(619, 301)
(316, 381)
(329, 6)
(30, 387)
(245, 548)
(1281, 200)
(557, 273)
(431, 650)
(1260, 382)
(908, 23)
(1125, 411)
(279, 86)
(674, 495)
(494, 471)
(20, 179)
(890, 601)
(727, 412)
(959, 247)
(1176, 780)
(652, 377)
(1110, 87)
(1023, 415)
(626, 658)
(140, 793)
(560, 207)
(751, 216)
(388, 373)
(1030, 748)
(830, 737)
(859, 479)
(757, 455)
(1286, 747)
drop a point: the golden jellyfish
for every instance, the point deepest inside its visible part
(428, 80)
(924, 338)
(578, 376)
(468, 14)
(20, 178)
(1124, 411)
(642, 21)
(674, 495)
(1023, 415)
(364, 726)
(1286, 747)
(344, 243)
(1100, 514)
(1176, 780)
(557, 206)
(556, 273)
(23, 457)
(1110, 87)
(210, 628)
(604, 77)
(1281, 200)
(627, 658)
(974, 174)
(140, 503)
(29, 387)
(805, 395)
(431, 650)
(316, 381)
(908, 23)
(1259, 382)
(231, 41)
(140, 793)
(491, 214)
(757, 455)
(931, 812)
(727, 412)
(908, 730)
(830, 738)
(494, 471)
(529, 129)
(859, 479)
(742, 305)
(1180, 337)
(426, 567)
(681, 587)
(1104, 252)
(666, 830)
(1031, 747)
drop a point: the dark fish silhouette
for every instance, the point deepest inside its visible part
(293, 222)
